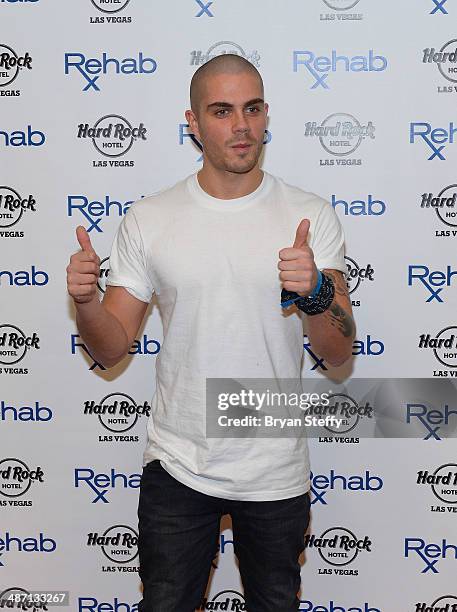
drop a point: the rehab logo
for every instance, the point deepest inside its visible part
(432, 137)
(338, 547)
(92, 68)
(429, 553)
(35, 413)
(112, 136)
(319, 67)
(12, 208)
(16, 478)
(95, 211)
(368, 347)
(101, 484)
(438, 7)
(341, 8)
(321, 484)
(117, 413)
(92, 604)
(432, 419)
(340, 135)
(368, 206)
(20, 138)
(446, 61)
(434, 281)
(11, 64)
(333, 606)
(204, 8)
(24, 278)
(443, 483)
(12, 543)
(142, 346)
(199, 57)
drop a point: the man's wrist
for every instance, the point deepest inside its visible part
(318, 286)
(312, 304)
(87, 308)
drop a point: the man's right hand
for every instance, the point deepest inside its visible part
(83, 270)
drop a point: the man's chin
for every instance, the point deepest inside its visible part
(242, 170)
(242, 166)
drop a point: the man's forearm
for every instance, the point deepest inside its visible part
(102, 333)
(332, 332)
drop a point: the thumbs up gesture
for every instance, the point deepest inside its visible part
(298, 270)
(83, 270)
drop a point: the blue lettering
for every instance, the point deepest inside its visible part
(439, 6)
(92, 209)
(320, 483)
(100, 483)
(27, 544)
(204, 8)
(308, 606)
(359, 348)
(141, 347)
(25, 413)
(429, 417)
(429, 551)
(430, 279)
(91, 68)
(360, 207)
(23, 278)
(319, 67)
(90, 604)
(23, 139)
(432, 137)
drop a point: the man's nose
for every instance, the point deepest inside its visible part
(240, 123)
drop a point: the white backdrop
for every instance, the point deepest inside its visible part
(340, 64)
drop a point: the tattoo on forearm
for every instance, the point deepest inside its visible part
(337, 316)
(340, 319)
(339, 283)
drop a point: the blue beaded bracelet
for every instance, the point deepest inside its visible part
(318, 286)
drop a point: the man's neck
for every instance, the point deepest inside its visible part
(229, 185)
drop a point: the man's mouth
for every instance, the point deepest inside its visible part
(241, 145)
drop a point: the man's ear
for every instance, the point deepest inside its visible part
(193, 123)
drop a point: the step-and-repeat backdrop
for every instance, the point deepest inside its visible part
(363, 112)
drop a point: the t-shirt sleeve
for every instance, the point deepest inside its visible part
(328, 240)
(128, 264)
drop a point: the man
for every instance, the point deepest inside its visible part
(208, 248)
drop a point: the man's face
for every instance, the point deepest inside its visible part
(230, 121)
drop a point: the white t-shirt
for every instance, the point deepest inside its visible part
(213, 266)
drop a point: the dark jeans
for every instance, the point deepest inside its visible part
(179, 537)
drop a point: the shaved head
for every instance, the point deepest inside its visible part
(228, 63)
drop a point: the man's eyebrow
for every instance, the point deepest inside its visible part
(254, 101)
(228, 105)
(220, 105)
